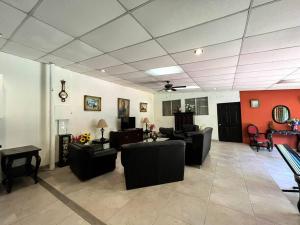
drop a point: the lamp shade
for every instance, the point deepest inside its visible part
(146, 120)
(102, 124)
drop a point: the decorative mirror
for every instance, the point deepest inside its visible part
(281, 114)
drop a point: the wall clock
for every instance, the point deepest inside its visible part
(63, 94)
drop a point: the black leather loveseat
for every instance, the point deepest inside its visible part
(88, 161)
(198, 146)
(147, 164)
(187, 131)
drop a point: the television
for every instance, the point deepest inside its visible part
(127, 123)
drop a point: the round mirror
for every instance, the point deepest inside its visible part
(281, 114)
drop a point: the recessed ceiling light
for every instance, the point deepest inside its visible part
(215, 88)
(198, 51)
(165, 71)
(103, 71)
(1, 35)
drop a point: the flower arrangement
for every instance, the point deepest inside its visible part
(151, 127)
(153, 134)
(82, 138)
(189, 108)
(294, 123)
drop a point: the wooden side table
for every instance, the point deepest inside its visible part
(98, 141)
(7, 159)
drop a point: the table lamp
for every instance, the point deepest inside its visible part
(102, 124)
(146, 121)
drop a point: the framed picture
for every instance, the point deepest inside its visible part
(254, 103)
(92, 103)
(143, 107)
(123, 107)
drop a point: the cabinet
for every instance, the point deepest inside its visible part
(183, 118)
(63, 149)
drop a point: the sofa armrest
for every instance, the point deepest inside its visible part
(191, 133)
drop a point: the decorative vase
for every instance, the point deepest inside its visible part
(153, 136)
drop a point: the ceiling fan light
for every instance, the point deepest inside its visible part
(198, 51)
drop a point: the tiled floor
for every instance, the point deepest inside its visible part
(235, 186)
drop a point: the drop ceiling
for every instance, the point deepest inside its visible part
(247, 44)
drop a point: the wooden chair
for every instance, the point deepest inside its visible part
(258, 139)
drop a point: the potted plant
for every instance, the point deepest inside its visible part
(153, 134)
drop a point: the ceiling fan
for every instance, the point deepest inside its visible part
(169, 87)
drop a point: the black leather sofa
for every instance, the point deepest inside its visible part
(88, 161)
(198, 146)
(166, 133)
(147, 164)
(187, 131)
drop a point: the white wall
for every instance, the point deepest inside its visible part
(78, 85)
(210, 120)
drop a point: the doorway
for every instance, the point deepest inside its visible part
(229, 122)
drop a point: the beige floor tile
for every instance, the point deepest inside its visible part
(168, 220)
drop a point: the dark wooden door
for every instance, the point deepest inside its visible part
(229, 122)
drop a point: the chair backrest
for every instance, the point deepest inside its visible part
(252, 130)
(190, 127)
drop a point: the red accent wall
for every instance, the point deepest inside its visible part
(262, 115)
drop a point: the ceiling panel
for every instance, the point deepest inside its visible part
(137, 74)
(110, 78)
(265, 74)
(174, 15)
(10, 19)
(269, 66)
(56, 60)
(210, 78)
(78, 68)
(260, 2)
(78, 17)
(173, 77)
(26, 5)
(226, 29)
(96, 73)
(276, 16)
(270, 56)
(120, 33)
(211, 64)
(130, 4)
(101, 61)
(38, 35)
(2, 42)
(285, 86)
(146, 50)
(22, 51)
(213, 72)
(77, 51)
(158, 62)
(275, 40)
(120, 69)
(231, 48)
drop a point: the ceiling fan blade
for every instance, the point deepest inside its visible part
(161, 90)
(173, 89)
(179, 87)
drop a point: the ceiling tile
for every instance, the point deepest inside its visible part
(163, 61)
(2, 42)
(260, 2)
(295, 75)
(132, 75)
(22, 51)
(101, 61)
(173, 77)
(269, 66)
(77, 51)
(285, 86)
(213, 72)
(211, 64)
(146, 50)
(130, 4)
(174, 15)
(214, 78)
(120, 33)
(40, 36)
(110, 78)
(10, 19)
(265, 74)
(78, 17)
(78, 68)
(270, 56)
(274, 40)
(21, 4)
(231, 48)
(96, 73)
(120, 69)
(276, 16)
(222, 30)
(56, 60)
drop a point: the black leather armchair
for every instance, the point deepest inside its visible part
(187, 131)
(147, 164)
(198, 146)
(88, 161)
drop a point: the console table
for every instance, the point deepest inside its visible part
(10, 155)
(270, 134)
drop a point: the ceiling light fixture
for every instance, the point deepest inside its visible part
(103, 71)
(1, 35)
(164, 71)
(198, 51)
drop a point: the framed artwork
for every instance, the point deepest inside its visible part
(123, 107)
(143, 107)
(254, 103)
(92, 103)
